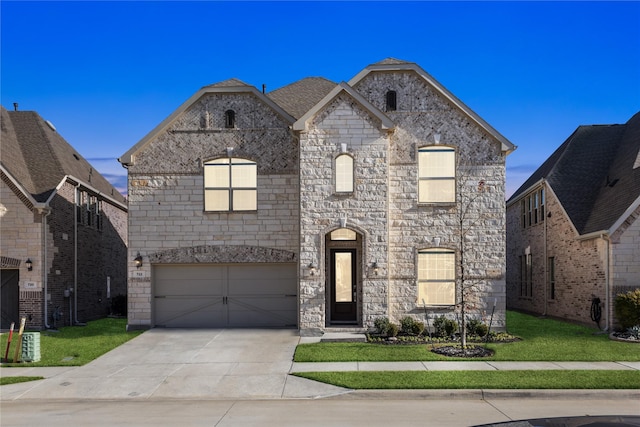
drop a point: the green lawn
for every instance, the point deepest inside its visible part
(542, 340)
(480, 379)
(74, 345)
(16, 380)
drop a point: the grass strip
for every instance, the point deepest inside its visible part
(542, 340)
(75, 345)
(568, 379)
(16, 380)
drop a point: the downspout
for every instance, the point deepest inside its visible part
(45, 212)
(607, 281)
(75, 257)
(545, 261)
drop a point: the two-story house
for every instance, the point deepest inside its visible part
(317, 205)
(63, 229)
(573, 234)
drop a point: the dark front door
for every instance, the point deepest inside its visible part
(10, 297)
(344, 304)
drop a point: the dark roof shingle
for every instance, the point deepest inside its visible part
(299, 97)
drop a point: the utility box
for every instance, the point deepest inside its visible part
(31, 347)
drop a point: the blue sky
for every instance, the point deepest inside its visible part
(106, 73)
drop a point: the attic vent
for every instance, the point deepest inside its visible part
(50, 125)
(391, 100)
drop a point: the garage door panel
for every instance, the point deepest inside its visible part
(236, 295)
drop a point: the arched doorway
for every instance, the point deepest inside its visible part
(343, 249)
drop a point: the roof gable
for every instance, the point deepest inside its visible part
(228, 86)
(392, 64)
(39, 158)
(385, 122)
(299, 97)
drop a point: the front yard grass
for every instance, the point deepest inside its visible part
(74, 345)
(542, 339)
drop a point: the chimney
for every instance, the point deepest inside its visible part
(15, 106)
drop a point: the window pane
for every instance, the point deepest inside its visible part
(243, 176)
(245, 200)
(438, 293)
(436, 162)
(436, 277)
(216, 200)
(436, 190)
(343, 234)
(344, 174)
(216, 176)
(343, 277)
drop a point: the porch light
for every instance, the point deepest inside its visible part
(312, 269)
(138, 260)
(29, 264)
(375, 268)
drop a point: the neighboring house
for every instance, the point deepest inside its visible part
(573, 233)
(317, 205)
(63, 229)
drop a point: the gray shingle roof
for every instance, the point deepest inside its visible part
(592, 174)
(299, 97)
(39, 158)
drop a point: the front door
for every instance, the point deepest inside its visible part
(10, 297)
(344, 304)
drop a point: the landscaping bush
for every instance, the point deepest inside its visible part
(444, 327)
(384, 327)
(410, 326)
(627, 308)
(476, 327)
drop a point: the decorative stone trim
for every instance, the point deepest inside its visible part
(222, 254)
(8, 262)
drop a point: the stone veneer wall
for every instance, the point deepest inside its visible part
(167, 222)
(580, 265)
(625, 269)
(420, 113)
(365, 211)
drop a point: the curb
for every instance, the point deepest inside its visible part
(489, 394)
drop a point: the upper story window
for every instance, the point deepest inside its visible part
(436, 276)
(229, 119)
(436, 174)
(344, 174)
(392, 104)
(230, 184)
(532, 209)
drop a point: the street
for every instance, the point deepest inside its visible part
(339, 411)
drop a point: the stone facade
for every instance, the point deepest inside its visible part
(298, 205)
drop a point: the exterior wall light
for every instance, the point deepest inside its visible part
(29, 264)
(138, 260)
(312, 269)
(375, 268)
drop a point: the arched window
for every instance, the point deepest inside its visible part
(344, 174)
(436, 276)
(229, 119)
(436, 174)
(230, 184)
(392, 100)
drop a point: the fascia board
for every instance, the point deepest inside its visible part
(128, 157)
(79, 182)
(507, 146)
(19, 186)
(301, 124)
(624, 216)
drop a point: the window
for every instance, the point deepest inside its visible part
(343, 234)
(436, 277)
(230, 184)
(532, 208)
(526, 276)
(344, 174)
(391, 100)
(229, 119)
(552, 278)
(436, 174)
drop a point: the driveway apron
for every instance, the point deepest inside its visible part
(185, 363)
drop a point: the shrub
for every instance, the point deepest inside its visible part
(384, 327)
(410, 326)
(444, 327)
(627, 308)
(476, 327)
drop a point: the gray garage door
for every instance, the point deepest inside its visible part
(233, 295)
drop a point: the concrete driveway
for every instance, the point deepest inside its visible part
(183, 363)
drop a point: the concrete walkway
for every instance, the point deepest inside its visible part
(243, 364)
